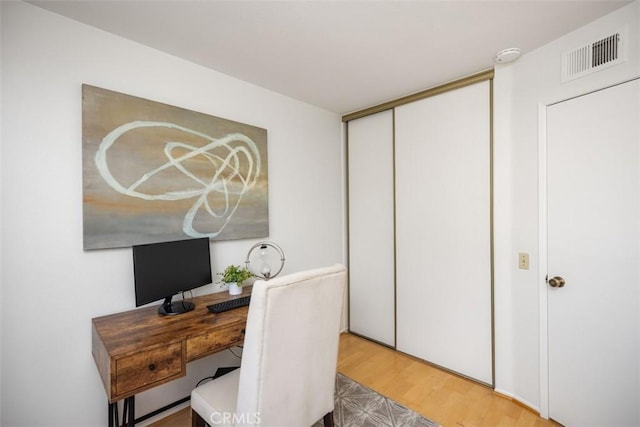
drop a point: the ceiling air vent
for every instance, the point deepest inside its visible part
(593, 57)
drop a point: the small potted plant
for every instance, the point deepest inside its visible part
(233, 276)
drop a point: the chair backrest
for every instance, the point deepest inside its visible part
(290, 353)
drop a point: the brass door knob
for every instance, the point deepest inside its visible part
(556, 282)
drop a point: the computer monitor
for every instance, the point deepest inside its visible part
(162, 270)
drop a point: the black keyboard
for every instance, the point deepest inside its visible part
(229, 304)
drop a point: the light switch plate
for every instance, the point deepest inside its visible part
(523, 261)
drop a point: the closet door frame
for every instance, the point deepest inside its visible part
(486, 75)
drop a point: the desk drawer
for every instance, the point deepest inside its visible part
(208, 343)
(149, 367)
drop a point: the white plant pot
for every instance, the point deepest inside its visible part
(234, 288)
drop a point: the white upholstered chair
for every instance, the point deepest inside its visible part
(288, 368)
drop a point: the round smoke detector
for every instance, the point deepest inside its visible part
(507, 55)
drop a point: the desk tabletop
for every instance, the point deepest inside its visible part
(126, 332)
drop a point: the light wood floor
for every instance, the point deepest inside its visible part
(443, 397)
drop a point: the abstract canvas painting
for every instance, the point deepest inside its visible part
(154, 172)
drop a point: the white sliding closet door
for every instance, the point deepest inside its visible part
(443, 230)
(371, 240)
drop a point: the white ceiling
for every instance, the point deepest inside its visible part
(339, 55)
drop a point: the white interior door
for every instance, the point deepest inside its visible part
(371, 239)
(593, 214)
(443, 230)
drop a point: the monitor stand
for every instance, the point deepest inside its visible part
(169, 308)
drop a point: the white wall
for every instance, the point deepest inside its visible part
(520, 88)
(1, 222)
(51, 288)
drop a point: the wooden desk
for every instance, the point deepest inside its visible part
(137, 350)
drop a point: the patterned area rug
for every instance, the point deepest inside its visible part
(359, 406)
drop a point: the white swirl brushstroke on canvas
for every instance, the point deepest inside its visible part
(218, 183)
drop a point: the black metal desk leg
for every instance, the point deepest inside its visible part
(113, 415)
(128, 413)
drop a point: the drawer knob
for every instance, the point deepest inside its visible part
(152, 367)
